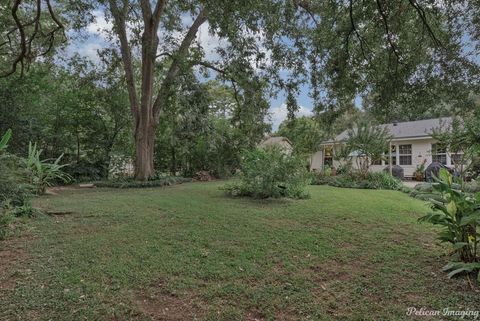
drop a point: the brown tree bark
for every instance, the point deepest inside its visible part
(146, 112)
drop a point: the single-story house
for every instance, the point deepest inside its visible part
(412, 144)
(282, 142)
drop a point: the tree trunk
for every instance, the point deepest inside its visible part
(144, 151)
(173, 164)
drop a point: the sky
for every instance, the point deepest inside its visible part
(96, 38)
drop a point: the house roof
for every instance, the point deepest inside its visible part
(409, 129)
(269, 141)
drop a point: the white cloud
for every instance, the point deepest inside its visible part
(279, 114)
(89, 50)
(210, 42)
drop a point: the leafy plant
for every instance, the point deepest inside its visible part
(4, 141)
(377, 180)
(420, 171)
(42, 173)
(459, 215)
(270, 173)
(365, 143)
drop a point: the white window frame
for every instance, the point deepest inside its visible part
(434, 152)
(400, 155)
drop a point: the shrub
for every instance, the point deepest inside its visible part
(130, 183)
(458, 213)
(84, 171)
(270, 173)
(14, 189)
(377, 180)
(14, 192)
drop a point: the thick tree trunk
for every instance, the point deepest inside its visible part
(144, 151)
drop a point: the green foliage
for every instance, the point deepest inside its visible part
(14, 192)
(426, 191)
(79, 110)
(458, 214)
(6, 221)
(376, 180)
(367, 142)
(43, 173)
(14, 187)
(130, 183)
(270, 173)
(4, 140)
(205, 129)
(460, 137)
(305, 134)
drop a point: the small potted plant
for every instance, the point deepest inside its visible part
(419, 171)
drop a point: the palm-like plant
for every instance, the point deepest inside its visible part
(42, 172)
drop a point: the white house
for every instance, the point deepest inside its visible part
(282, 142)
(411, 145)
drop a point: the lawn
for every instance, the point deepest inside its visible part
(188, 252)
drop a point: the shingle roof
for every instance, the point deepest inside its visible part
(274, 140)
(410, 129)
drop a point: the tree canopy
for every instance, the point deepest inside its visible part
(397, 60)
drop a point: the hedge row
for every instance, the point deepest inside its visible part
(166, 181)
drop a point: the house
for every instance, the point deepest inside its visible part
(282, 142)
(412, 144)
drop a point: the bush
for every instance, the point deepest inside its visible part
(14, 189)
(378, 180)
(270, 173)
(84, 171)
(130, 183)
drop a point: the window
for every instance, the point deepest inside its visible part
(405, 152)
(439, 154)
(328, 157)
(394, 156)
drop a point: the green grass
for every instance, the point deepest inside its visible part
(188, 251)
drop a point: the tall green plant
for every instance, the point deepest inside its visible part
(42, 172)
(459, 215)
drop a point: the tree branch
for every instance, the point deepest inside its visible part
(119, 17)
(25, 55)
(177, 57)
(423, 17)
(387, 31)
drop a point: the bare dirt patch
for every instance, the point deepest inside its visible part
(12, 256)
(160, 305)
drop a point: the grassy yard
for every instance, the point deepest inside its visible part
(188, 252)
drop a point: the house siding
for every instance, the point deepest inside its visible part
(421, 150)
